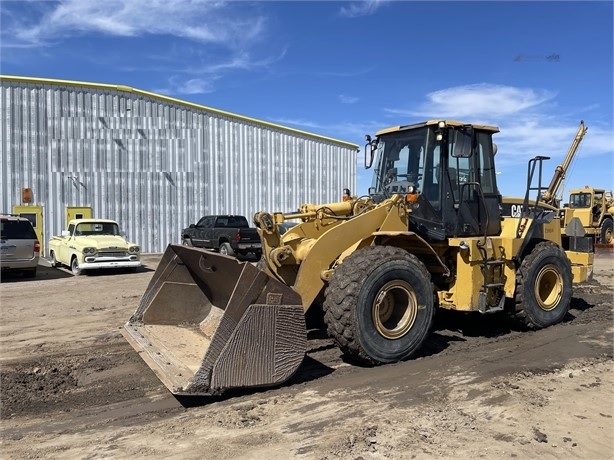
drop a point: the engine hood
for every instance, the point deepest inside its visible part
(105, 242)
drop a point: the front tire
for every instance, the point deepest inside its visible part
(606, 231)
(543, 286)
(74, 267)
(379, 305)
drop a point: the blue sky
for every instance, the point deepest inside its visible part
(346, 69)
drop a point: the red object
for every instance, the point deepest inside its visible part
(26, 195)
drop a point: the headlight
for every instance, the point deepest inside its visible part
(134, 249)
(89, 250)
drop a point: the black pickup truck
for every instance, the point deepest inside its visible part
(228, 234)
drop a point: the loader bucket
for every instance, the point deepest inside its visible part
(207, 323)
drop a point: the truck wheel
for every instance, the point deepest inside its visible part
(606, 231)
(54, 261)
(74, 267)
(226, 249)
(379, 305)
(543, 286)
(187, 242)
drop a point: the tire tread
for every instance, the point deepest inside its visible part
(523, 278)
(344, 288)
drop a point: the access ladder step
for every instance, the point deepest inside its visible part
(493, 285)
(494, 262)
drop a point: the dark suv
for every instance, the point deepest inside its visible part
(19, 245)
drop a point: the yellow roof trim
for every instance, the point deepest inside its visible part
(493, 129)
(129, 89)
(586, 189)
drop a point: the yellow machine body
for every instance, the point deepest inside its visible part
(376, 267)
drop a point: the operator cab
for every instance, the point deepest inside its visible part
(446, 170)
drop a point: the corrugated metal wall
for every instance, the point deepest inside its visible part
(153, 163)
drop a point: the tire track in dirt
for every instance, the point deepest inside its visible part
(476, 382)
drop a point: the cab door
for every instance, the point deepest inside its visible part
(64, 248)
(472, 197)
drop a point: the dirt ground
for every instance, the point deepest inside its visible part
(72, 387)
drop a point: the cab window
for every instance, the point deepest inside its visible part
(580, 200)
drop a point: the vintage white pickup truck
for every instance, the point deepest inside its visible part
(91, 244)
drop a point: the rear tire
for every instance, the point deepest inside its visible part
(54, 261)
(74, 267)
(607, 227)
(187, 242)
(379, 305)
(226, 249)
(543, 286)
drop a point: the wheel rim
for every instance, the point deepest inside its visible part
(395, 309)
(75, 266)
(608, 236)
(548, 287)
(223, 250)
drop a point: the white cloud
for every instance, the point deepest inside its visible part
(178, 85)
(203, 21)
(199, 76)
(344, 99)
(531, 124)
(200, 40)
(242, 60)
(357, 9)
(530, 120)
(478, 101)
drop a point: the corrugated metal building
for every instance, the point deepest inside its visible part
(153, 163)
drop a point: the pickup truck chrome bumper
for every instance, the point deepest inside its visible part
(250, 246)
(113, 264)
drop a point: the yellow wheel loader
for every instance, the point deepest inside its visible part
(595, 209)
(375, 268)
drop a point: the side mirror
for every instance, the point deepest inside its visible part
(463, 142)
(65, 233)
(370, 148)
